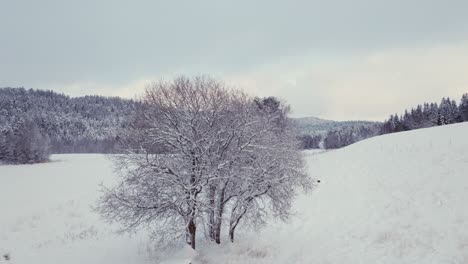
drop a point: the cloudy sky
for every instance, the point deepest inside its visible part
(347, 59)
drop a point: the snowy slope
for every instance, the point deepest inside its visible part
(399, 198)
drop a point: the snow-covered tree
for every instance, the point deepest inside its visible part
(427, 115)
(265, 169)
(310, 142)
(195, 149)
(463, 109)
(78, 124)
(448, 111)
(22, 142)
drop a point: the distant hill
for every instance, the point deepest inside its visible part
(321, 133)
(317, 126)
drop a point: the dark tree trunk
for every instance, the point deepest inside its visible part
(231, 234)
(219, 217)
(192, 229)
(217, 232)
(234, 222)
(211, 214)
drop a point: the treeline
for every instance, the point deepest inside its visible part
(35, 123)
(421, 116)
(428, 115)
(22, 142)
(341, 136)
(311, 141)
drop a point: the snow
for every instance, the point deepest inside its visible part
(399, 198)
(47, 216)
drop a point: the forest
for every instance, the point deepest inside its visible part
(448, 111)
(37, 123)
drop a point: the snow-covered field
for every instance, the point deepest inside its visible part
(46, 214)
(400, 198)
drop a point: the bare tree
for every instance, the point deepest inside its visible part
(264, 166)
(195, 149)
(270, 170)
(172, 153)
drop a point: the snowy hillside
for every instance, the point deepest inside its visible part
(399, 198)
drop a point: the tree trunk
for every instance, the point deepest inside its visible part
(231, 234)
(217, 232)
(232, 228)
(192, 229)
(219, 217)
(235, 219)
(211, 214)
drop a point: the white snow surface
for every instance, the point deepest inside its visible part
(399, 198)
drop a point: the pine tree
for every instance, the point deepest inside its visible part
(25, 143)
(434, 115)
(463, 108)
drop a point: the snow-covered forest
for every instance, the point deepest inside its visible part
(35, 123)
(428, 115)
(316, 133)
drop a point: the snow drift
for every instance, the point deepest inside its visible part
(399, 198)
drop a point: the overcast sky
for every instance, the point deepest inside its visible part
(348, 59)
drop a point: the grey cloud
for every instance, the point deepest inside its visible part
(52, 43)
